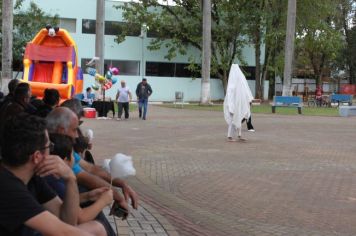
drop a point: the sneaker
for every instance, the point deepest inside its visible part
(251, 130)
(144, 118)
(118, 119)
(230, 139)
(242, 139)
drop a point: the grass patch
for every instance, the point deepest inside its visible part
(266, 109)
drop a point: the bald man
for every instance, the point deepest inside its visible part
(123, 97)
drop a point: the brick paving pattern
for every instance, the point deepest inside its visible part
(294, 176)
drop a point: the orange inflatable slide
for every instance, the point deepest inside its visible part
(51, 61)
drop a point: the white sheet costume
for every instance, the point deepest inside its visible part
(237, 101)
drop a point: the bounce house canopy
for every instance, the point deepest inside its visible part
(45, 53)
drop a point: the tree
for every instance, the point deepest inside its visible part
(178, 28)
(275, 11)
(205, 82)
(318, 38)
(7, 22)
(99, 35)
(347, 22)
(26, 23)
(351, 57)
(289, 47)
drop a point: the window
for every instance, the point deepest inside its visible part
(182, 70)
(69, 24)
(88, 26)
(116, 28)
(249, 72)
(163, 69)
(125, 67)
(112, 28)
(166, 69)
(152, 33)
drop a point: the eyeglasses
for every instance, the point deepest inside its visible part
(50, 147)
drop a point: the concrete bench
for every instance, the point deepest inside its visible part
(287, 101)
(347, 111)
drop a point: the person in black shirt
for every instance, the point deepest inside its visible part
(50, 101)
(25, 198)
(143, 91)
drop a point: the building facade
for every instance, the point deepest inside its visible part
(132, 56)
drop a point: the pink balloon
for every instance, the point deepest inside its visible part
(114, 70)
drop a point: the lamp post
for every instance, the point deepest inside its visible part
(143, 34)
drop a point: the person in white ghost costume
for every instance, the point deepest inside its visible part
(237, 102)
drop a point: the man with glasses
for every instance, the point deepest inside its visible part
(63, 121)
(26, 202)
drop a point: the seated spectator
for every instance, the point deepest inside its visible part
(63, 147)
(25, 198)
(88, 97)
(8, 98)
(64, 121)
(36, 102)
(19, 103)
(50, 101)
(74, 105)
(82, 146)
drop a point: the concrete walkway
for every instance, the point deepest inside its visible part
(294, 176)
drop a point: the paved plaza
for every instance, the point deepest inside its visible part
(296, 175)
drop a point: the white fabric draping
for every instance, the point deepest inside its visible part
(238, 97)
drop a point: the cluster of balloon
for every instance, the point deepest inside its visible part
(105, 82)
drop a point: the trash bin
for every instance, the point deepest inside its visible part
(179, 96)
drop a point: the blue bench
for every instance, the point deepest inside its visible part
(287, 101)
(341, 98)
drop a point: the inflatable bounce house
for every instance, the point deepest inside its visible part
(51, 61)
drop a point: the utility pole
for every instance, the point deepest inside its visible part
(205, 81)
(144, 28)
(7, 25)
(289, 48)
(99, 35)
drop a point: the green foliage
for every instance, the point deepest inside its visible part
(27, 22)
(320, 43)
(319, 40)
(179, 27)
(351, 48)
